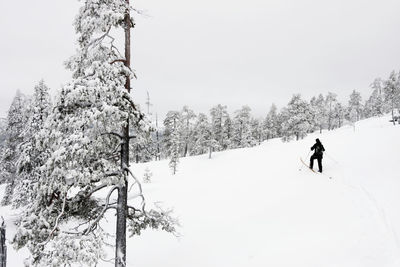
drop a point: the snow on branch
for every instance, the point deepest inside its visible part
(57, 221)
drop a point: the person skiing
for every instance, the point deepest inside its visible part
(318, 152)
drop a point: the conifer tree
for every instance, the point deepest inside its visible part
(330, 102)
(319, 110)
(242, 135)
(339, 112)
(187, 116)
(355, 106)
(204, 141)
(172, 138)
(392, 93)
(142, 146)
(89, 133)
(298, 119)
(16, 120)
(157, 141)
(227, 133)
(219, 115)
(33, 153)
(256, 129)
(270, 125)
(374, 106)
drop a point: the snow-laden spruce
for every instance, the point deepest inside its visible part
(241, 133)
(355, 106)
(172, 138)
(88, 133)
(374, 106)
(392, 93)
(298, 117)
(219, 118)
(187, 116)
(271, 124)
(32, 152)
(17, 118)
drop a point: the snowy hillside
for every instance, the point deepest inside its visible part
(254, 207)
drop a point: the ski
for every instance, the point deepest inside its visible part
(321, 173)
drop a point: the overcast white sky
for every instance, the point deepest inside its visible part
(202, 53)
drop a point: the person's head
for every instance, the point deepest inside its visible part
(317, 140)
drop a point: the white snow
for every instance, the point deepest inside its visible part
(253, 207)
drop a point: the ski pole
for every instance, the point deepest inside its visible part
(332, 158)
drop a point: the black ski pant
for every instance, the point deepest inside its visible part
(319, 159)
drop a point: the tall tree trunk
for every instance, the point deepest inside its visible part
(122, 207)
(3, 247)
(158, 156)
(185, 150)
(394, 122)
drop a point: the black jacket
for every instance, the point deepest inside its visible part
(318, 149)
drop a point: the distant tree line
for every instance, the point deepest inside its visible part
(186, 133)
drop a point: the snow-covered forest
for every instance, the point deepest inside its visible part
(80, 169)
(184, 133)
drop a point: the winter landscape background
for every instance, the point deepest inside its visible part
(180, 134)
(253, 207)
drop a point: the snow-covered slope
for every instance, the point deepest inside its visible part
(254, 207)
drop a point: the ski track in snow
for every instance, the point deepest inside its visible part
(253, 207)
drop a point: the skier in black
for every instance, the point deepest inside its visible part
(318, 151)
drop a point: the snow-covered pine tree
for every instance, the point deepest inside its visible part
(270, 124)
(256, 129)
(187, 116)
(33, 154)
(374, 106)
(219, 115)
(89, 132)
(339, 112)
(17, 118)
(157, 140)
(330, 102)
(355, 106)
(298, 119)
(241, 133)
(203, 137)
(319, 111)
(281, 118)
(391, 91)
(172, 138)
(227, 133)
(142, 147)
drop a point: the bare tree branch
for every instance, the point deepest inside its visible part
(117, 60)
(93, 225)
(143, 204)
(113, 133)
